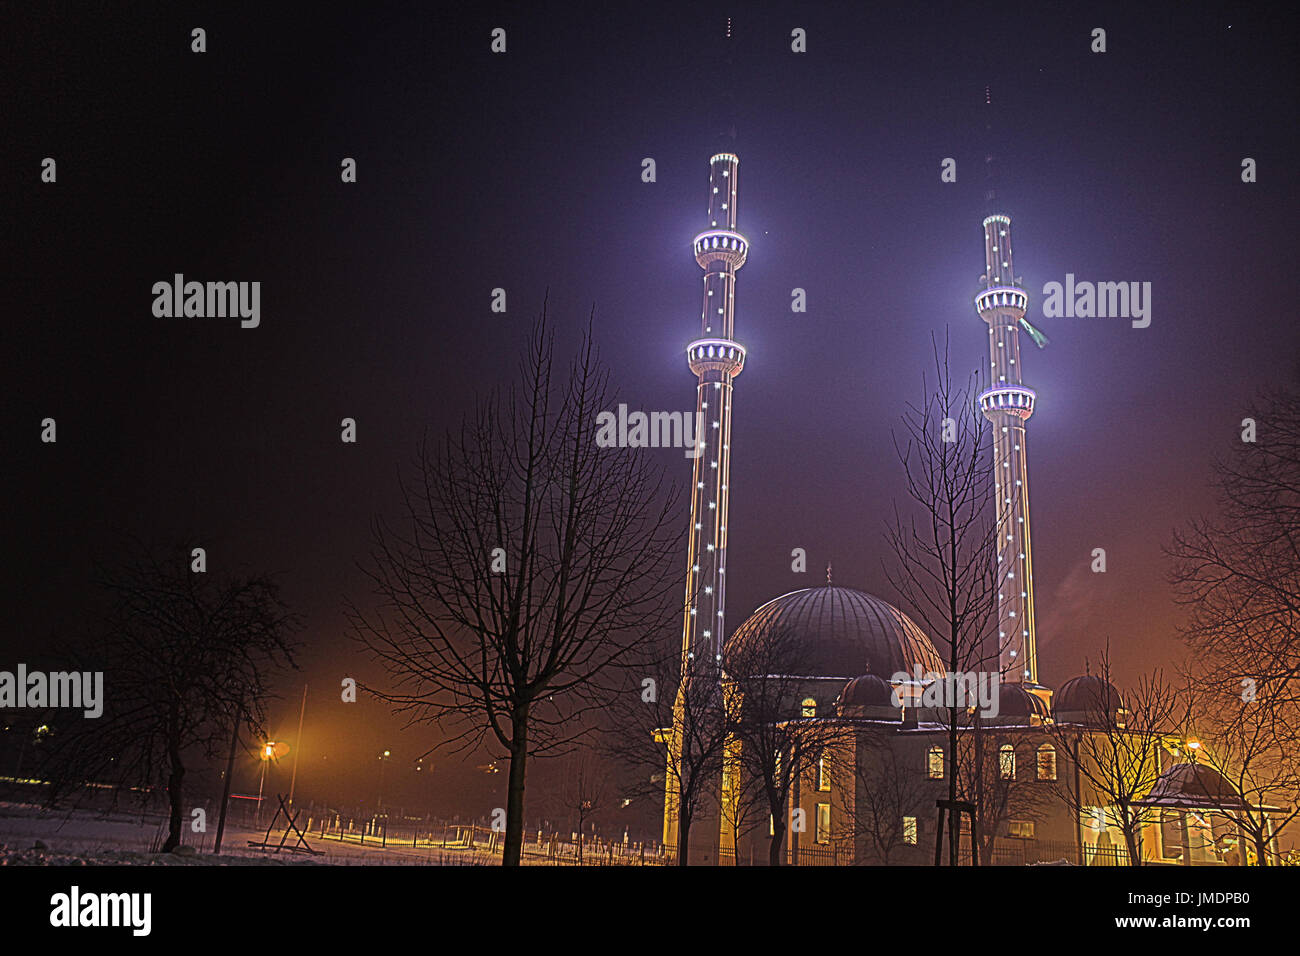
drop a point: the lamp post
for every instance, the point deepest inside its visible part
(383, 761)
(268, 751)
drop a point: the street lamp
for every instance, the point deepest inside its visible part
(267, 755)
(383, 761)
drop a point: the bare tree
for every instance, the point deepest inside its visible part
(999, 788)
(744, 806)
(585, 793)
(182, 651)
(1240, 742)
(946, 551)
(673, 724)
(886, 793)
(1117, 750)
(1239, 574)
(531, 565)
(776, 744)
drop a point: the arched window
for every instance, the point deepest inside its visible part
(809, 706)
(934, 763)
(1046, 762)
(1007, 761)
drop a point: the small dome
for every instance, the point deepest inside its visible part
(843, 633)
(867, 691)
(1086, 699)
(1193, 785)
(1016, 703)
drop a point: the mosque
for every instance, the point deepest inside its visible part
(874, 800)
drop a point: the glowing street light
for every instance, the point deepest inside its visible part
(269, 751)
(383, 762)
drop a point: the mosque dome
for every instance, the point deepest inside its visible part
(842, 632)
(1017, 705)
(1086, 700)
(867, 691)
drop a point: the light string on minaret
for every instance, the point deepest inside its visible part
(1008, 404)
(716, 359)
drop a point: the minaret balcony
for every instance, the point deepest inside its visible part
(716, 355)
(721, 245)
(1002, 299)
(1012, 399)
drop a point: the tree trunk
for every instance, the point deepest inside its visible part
(225, 787)
(683, 835)
(1261, 850)
(774, 849)
(512, 854)
(954, 821)
(1131, 844)
(174, 798)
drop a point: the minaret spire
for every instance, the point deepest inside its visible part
(990, 175)
(715, 358)
(1008, 404)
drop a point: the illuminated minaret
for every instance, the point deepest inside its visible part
(716, 359)
(1008, 404)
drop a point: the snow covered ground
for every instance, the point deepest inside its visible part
(34, 836)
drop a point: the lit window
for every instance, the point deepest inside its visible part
(1007, 757)
(823, 834)
(909, 831)
(1171, 834)
(823, 777)
(934, 763)
(1020, 829)
(1046, 762)
(809, 707)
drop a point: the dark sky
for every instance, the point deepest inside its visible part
(522, 171)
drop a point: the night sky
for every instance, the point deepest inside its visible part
(523, 171)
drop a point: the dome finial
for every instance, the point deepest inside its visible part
(828, 574)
